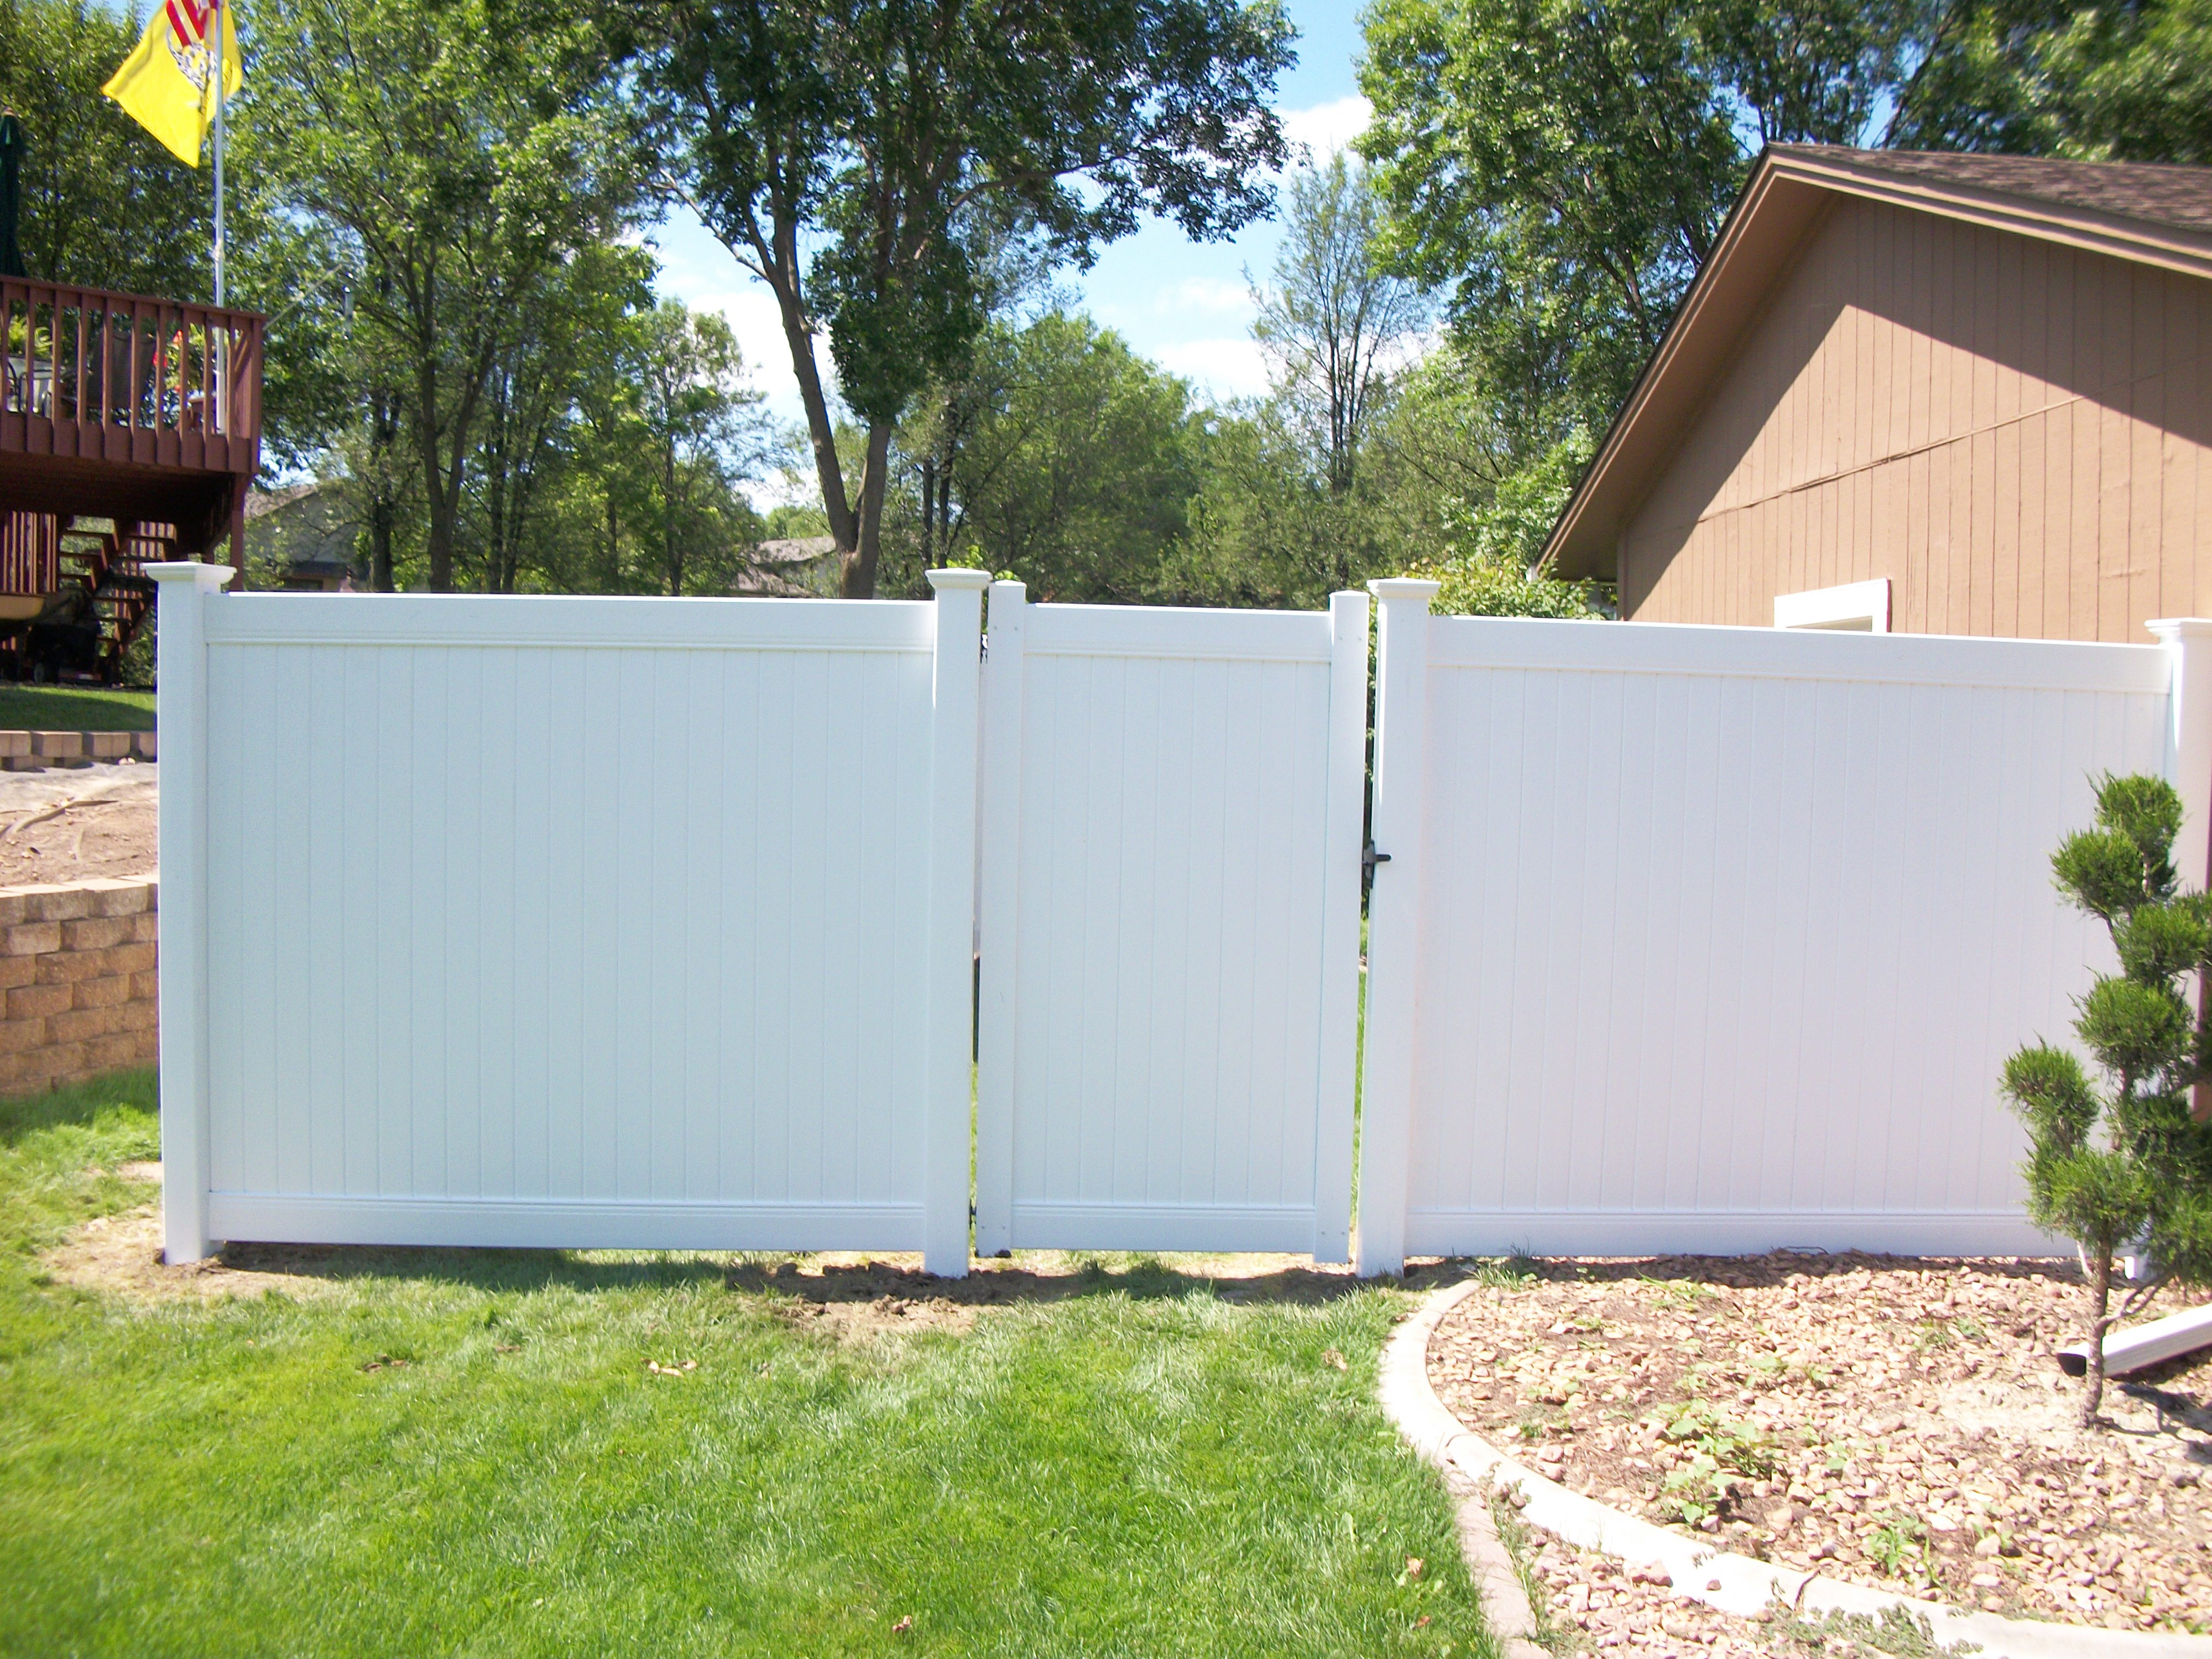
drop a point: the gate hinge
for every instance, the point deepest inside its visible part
(1368, 860)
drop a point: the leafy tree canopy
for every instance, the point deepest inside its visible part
(2127, 82)
(840, 147)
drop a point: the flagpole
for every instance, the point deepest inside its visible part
(222, 330)
(220, 31)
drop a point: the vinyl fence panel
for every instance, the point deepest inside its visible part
(1169, 926)
(574, 922)
(1716, 938)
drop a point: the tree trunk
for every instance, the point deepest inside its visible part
(439, 539)
(928, 512)
(821, 431)
(614, 546)
(860, 574)
(2100, 1288)
(383, 510)
(672, 556)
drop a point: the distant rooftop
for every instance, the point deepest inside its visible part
(795, 549)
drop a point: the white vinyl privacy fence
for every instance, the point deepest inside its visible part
(654, 923)
(1715, 938)
(611, 922)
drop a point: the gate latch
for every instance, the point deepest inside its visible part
(1368, 860)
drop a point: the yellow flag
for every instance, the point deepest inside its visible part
(167, 85)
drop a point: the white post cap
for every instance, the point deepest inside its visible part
(201, 575)
(1404, 588)
(955, 579)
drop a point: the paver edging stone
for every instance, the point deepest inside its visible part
(1733, 1583)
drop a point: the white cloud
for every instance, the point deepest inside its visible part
(1213, 294)
(1324, 129)
(1224, 366)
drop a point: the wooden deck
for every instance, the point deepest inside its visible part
(124, 407)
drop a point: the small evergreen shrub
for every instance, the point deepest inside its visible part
(2124, 1166)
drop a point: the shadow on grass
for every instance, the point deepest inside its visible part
(1247, 1280)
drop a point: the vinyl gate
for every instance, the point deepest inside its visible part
(1169, 926)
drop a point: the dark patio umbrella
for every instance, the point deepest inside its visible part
(11, 194)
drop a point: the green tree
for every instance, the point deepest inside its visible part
(104, 204)
(1331, 319)
(2120, 83)
(702, 429)
(533, 424)
(455, 156)
(2126, 1165)
(834, 145)
(1077, 469)
(1561, 169)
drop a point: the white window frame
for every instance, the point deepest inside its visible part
(1853, 607)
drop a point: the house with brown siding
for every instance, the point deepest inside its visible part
(1931, 393)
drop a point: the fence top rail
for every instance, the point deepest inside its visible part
(1118, 630)
(493, 622)
(1631, 647)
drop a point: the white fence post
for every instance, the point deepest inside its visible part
(2188, 642)
(181, 673)
(1347, 784)
(1000, 886)
(1394, 920)
(951, 917)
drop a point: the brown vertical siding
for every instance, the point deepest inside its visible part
(2012, 432)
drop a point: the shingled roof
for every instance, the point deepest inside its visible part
(2159, 216)
(2178, 198)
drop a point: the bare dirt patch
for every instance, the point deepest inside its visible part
(121, 1256)
(859, 1296)
(69, 825)
(1902, 1424)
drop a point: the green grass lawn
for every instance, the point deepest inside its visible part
(74, 709)
(1118, 1456)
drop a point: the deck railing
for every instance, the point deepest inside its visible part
(122, 376)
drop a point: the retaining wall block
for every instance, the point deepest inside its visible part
(31, 938)
(29, 1001)
(129, 959)
(121, 1048)
(107, 991)
(97, 933)
(59, 903)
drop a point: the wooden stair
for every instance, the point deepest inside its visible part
(106, 566)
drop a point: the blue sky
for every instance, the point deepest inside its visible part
(1183, 304)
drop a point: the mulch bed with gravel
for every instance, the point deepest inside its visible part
(1897, 1423)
